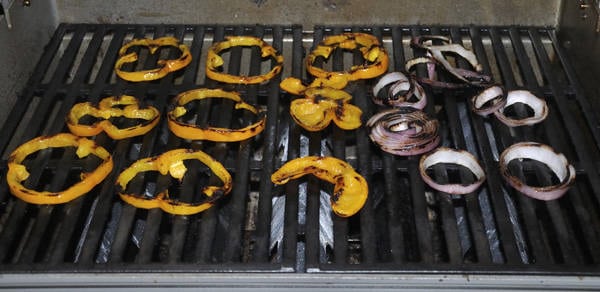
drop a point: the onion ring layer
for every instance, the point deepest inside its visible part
(459, 157)
(404, 131)
(194, 132)
(214, 60)
(557, 162)
(539, 106)
(400, 89)
(493, 96)
(17, 172)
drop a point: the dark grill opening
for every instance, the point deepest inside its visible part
(404, 227)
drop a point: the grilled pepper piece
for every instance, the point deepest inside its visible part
(321, 105)
(193, 132)
(376, 58)
(214, 60)
(350, 191)
(110, 108)
(171, 163)
(17, 172)
(165, 66)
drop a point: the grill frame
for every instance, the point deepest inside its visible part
(292, 256)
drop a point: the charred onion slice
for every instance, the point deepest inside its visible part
(452, 156)
(17, 172)
(539, 106)
(404, 131)
(321, 105)
(435, 55)
(376, 58)
(166, 66)
(108, 108)
(557, 162)
(400, 90)
(488, 101)
(171, 163)
(350, 191)
(214, 60)
(194, 132)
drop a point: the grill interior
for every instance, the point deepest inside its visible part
(404, 227)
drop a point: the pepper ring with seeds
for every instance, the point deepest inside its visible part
(17, 172)
(172, 163)
(194, 132)
(214, 60)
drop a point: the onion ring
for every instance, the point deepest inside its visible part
(404, 131)
(539, 106)
(557, 162)
(435, 55)
(194, 132)
(493, 96)
(459, 157)
(214, 60)
(400, 90)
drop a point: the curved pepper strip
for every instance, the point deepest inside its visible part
(17, 172)
(350, 191)
(193, 132)
(372, 51)
(214, 60)
(166, 66)
(171, 163)
(109, 108)
(321, 105)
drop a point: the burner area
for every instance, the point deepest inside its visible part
(404, 227)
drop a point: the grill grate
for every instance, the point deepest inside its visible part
(404, 226)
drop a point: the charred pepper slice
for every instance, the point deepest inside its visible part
(165, 66)
(350, 191)
(108, 108)
(214, 60)
(376, 57)
(17, 172)
(194, 132)
(172, 163)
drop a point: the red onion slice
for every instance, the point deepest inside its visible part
(404, 131)
(539, 106)
(545, 154)
(453, 156)
(493, 96)
(401, 89)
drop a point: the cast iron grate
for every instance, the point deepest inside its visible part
(404, 227)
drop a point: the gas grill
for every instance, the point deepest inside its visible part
(406, 231)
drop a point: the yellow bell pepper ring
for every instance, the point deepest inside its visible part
(17, 172)
(172, 163)
(112, 107)
(217, 134)
(165, 66)
(376, 57)
(214, 60)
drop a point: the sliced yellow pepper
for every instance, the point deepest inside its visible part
(17, 172)
(171, 163)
